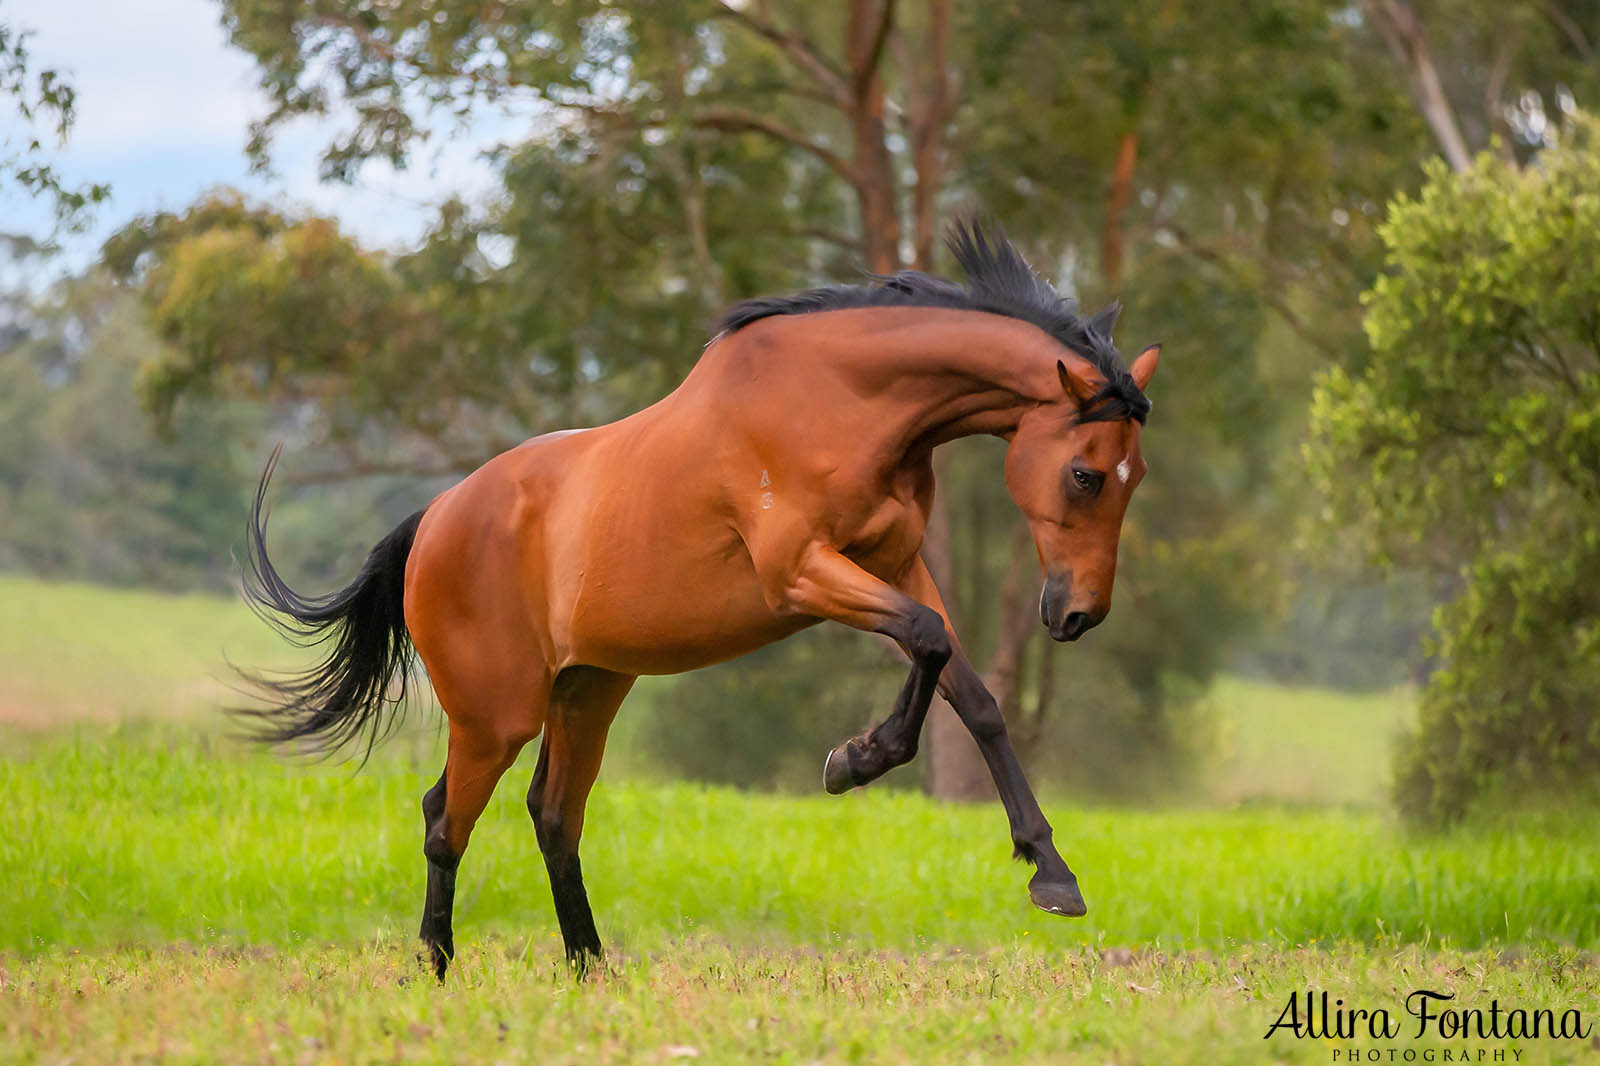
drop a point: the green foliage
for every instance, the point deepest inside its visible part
(1470, 444)
(89, 489)
(1512, 709)
(253, 304)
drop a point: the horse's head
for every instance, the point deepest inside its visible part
(1072, 467)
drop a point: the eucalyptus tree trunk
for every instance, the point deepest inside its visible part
(1404, 33)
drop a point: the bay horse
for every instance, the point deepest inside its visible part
(785, 482)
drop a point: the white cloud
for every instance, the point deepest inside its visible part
(150, 72)
(164, 105)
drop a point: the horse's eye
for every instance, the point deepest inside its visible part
(1084, 478)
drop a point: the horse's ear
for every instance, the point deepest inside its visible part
(1080, 379)
(1144, 367)
(1105, 319)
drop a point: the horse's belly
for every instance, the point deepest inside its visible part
(674, 615)
(674, 653)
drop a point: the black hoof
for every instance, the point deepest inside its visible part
(1058, 897)
(837, 777)
(585, 962)
(436, 957)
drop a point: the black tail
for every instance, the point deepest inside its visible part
(347, 696)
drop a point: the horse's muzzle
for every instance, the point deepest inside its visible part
(1064, 624)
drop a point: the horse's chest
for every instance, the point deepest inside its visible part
(891, 529)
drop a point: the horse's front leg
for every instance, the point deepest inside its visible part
(825, 584)
(893, 742)
(1054, 887)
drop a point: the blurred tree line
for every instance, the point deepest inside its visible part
(1223, 169)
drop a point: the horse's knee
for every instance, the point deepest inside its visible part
(435, 840)
(436, 847)
(550, 827)
(928, 638)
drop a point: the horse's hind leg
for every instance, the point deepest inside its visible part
(583, 703)
(482, 748)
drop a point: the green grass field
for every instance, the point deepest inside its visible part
(1305, 746)
(171, 896)
(72, 653)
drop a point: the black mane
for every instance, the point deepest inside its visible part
(1000, 282)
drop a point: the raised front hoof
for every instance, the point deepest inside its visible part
(1058, 897)
(837, 777)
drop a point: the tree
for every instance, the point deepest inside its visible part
(41, 98)
(87, 490)
(1469, 445)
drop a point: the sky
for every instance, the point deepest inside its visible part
(164, 106)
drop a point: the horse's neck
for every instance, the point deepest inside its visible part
(949, 374)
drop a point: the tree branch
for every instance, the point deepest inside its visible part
(738, 120)
(1568, 26)
(1402, 30)
(1217, 259)
(800, 51)
(828, 236)
(1505, 50)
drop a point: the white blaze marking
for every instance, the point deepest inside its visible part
(1124, 469)
(766, 479)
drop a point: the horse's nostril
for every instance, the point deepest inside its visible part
(1077, 624)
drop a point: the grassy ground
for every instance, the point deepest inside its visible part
(71, 652)
(136, 839)
(180, 900)
(172, 897)
(705, 1001)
